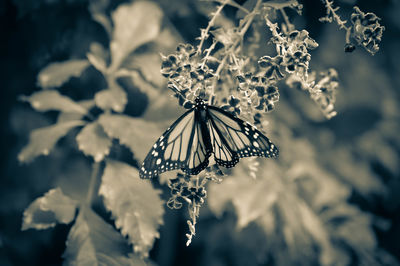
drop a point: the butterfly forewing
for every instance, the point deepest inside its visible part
(241, 137)
(166, 153)
(182, 146)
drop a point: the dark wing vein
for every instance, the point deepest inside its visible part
(223, 154)
(182, 146)
(170, 151)
(241, 137)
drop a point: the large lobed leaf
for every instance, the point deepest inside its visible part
(42, 140)
(55, 74)
(92, 241)
(302, 207)
(134, 24)
(93, 141)
(45, 212)
(270, 201)
(49, 100)
(137, 134)
(251, 197)
(134, 203)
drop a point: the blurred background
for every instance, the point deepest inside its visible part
(348, 175)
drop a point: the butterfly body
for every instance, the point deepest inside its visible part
(200, 132)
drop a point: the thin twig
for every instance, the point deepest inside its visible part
(337, 18)
(92, 183)
(204, 32)
(286, 18)
(241, 34)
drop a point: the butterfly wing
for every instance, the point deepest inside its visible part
(223, 154)
(240, 137)
(201, 148)
(182, 146)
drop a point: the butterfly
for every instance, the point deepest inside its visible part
(200, 132)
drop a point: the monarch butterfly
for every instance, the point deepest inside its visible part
(197, 134)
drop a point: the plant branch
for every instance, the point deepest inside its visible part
(286, 18)
(204, 32)
(331, 15)
(92, 182)
(242, 32)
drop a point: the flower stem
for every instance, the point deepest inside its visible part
(336, 17)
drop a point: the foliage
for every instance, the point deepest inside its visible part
(297, 206)
(90, 237)
(135, 205)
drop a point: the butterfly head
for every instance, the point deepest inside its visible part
(199, 103)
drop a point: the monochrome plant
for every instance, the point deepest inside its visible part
(234, 69)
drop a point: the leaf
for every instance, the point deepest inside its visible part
(149, 65)
(92, 241)
(42, 140)
(134, 203)
(351, 225)
(134, 24)
(114, 98)
(93, 141)
(45, 212)
(67, 116)
(98, 11)
(137, 134)
(98, 56)
(48, 100)
(56, 74)
(159, 101)
(355, 172)
(250, 197)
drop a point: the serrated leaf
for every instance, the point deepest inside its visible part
(344, 163)
(137, 134)
(50, 100)
(250, 197)
(354, 228)
(45, 212)
(134, 203)
(56, 74)
(92, 241)
(114, 98)
(42, 140)
(300, 229)
(93, 141)
(134, 24)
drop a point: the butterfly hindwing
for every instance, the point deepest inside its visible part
(223, 154)
(241, 137)
(201, 148)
